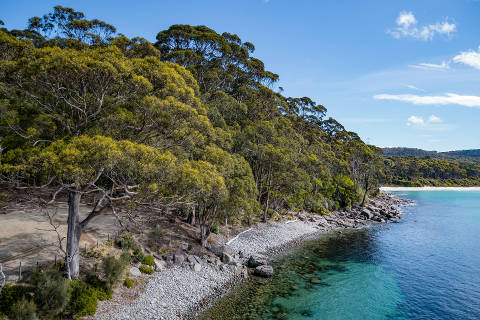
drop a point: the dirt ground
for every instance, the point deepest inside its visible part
(25, 236)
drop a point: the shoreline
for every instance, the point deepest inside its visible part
(428, 188)
(182, 291)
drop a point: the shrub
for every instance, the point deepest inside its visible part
(215, 229)
(101, 288)
(126, 241)
(129, 283)
(138, 254)
(149, 261)
(113, 270)
(23, 309)
(126, 256)
(51, 292)
(83, 301)
(10, 294)
(146, 269)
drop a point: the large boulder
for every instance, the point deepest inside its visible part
(263, 271)
(178, 258)
(367, 213)
(135, 272)
(256, 260)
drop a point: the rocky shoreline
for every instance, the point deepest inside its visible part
(187, 284)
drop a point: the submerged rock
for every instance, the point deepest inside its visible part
(256, 260)
(265, 271)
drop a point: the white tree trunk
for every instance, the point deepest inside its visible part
(72, 258)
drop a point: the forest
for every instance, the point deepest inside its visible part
(191, 123)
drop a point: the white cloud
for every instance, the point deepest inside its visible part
(470, 58)
(449, 98)
(407, 27)
(414, 120)
(432, 66)
(434, 119)
(410, 86)
(433, 123)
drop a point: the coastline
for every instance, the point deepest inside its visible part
(427, 188)
(181, 292)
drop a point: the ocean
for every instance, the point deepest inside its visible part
(426, 266)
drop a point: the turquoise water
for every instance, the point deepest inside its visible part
(427, 266)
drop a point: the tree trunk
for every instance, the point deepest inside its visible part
(203, 234)
(73, 236)
(266, 208)
(366, 191)
(191, 216)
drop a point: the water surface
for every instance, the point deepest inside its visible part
(427, 266)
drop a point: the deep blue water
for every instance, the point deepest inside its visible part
(427, 266)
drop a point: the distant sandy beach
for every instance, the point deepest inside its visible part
(387, 189)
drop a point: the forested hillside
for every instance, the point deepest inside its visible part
(191, 123)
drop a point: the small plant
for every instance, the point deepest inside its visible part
(51, 292)
(113, 270)
(129, 283)
(149, 261)
(164, 250)
(126, 241)
(102, 291)
(138, 254)
(215, 229)
(210, 240)
(84, 299)
(126, 256)
(146, 269)
(23, 309)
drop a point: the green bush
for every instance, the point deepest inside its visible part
(101, 288)
(23, 309)
(138, 254)
(126, 241)
(146, 269)
(51, 292)
(113, 270)
(215, 229)
(126, 256)
(83, 301)
(10, 294)
(129, 283)
(149, 261)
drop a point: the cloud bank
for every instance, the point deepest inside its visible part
(470, 58)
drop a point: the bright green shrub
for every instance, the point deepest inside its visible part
(146, 269)
(215, 229)
(23, 309)
(129, 283)
(51, 292)
(83, 300)
(102, 291)
(113, 270)
(10, 294)
(149, 261)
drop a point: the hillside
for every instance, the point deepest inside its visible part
(414, 152)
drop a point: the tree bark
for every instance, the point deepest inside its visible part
(191, 216)
(72, 258)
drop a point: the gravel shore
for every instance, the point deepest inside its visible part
(180, 292)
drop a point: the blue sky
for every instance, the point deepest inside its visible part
(400, 73)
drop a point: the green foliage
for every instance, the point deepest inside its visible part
(50, 292)
(102, 290)
(138, 255)
(83, 301)
(9, 295)
(23, 309)
(215, 229)
(129, 283)
(126, 241)
(148, 260)
(113, 270)
(146, 269)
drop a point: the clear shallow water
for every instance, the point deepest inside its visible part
(427, 266)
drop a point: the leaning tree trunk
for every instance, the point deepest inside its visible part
(191, 217)
(72, 257)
